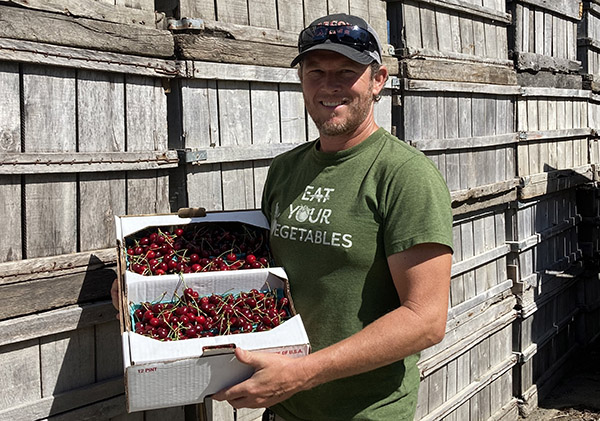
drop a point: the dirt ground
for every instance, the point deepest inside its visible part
(577, 396)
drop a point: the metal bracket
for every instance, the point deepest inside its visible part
(185, 23)
(192, 156)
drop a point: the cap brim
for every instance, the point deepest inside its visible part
(345, 50)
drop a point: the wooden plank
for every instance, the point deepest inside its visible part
(444, 30)
(59, 291)
(108, 348)
(10, 141)
(106, 11)
(201, 127)
(23, 270)
(457, 288)
(176, 414)
(479, 38)
(469, 9)
(451, 132)
(411, 25)
(109, 393)
(136, 4)
(242, 72)
(491, 41)
(207, 48)
(55, 55)
(378, 17)
(25, 328)
(468, 250)
(518, 29)
(465, 143)
(467, 35)
(527, 42)
(465, 130)
(53, 28)
(290, 16)
(430, 36)
(101, 127)
(432, 85)
(265, 106)
(264, 101)
(146, 126)
(337, 6)
(49, 123)
(74, 351)
(455, 37)
(85, 162)
(232, 11)
(235, 123)
(479, 246)
(262, 13)
(314, 9)
(20, 380)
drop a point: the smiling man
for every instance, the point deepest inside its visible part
(362, 224)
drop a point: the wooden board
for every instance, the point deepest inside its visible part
(290, 15)
(54, 28)
(141, 13)
(10, 141)
(101, 102)
(49, 125)
(146, 127)
(232, 11)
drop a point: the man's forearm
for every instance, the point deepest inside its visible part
(388, 339)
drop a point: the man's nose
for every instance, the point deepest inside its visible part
(331, 82)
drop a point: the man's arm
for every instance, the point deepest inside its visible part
(421, 275)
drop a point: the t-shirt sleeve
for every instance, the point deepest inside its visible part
(417, 208)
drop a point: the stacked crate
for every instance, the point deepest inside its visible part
(457, 105)
(552, 160)
(544, 262)
(84, 137)
(240, 103)
(588, 202)
(588, 44)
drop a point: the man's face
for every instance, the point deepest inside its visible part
(338, 92)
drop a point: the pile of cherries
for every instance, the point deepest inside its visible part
(192, 316)
(198, 248)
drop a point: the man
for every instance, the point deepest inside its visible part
(362, 224)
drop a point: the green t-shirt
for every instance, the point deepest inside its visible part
(334, 220)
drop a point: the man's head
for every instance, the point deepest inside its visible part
(344, 34)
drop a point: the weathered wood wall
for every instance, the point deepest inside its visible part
(128, 107)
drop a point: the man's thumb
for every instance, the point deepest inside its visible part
(243, 356)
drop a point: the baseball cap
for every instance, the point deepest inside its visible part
(345, 34)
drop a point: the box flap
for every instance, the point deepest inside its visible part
(158, 385)
(143, 349)
(129, 224)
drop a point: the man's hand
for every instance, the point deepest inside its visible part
(275, 379)
(114, 295)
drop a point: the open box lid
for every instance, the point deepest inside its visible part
(129, 224)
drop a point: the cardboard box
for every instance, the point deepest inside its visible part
(161, 374)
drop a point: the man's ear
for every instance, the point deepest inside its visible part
(300, 71)
(379, 80)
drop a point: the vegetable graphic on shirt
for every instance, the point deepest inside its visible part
(302, 213)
